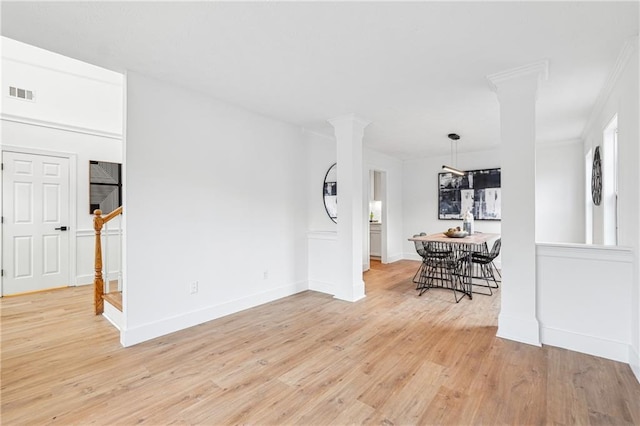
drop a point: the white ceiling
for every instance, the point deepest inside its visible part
(416, 69)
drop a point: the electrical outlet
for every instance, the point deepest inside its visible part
(265, 275)
(194, 287)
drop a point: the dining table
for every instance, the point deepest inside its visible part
(464, 247)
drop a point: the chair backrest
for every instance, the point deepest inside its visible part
(495, 250)
(438, 250)
(420, 246)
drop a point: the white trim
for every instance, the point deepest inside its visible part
(123, 221)
(322, 135)
(322, 235)
(144, 332)
(583, 343)
(586, 251)
(539, 67)
(349, 118)
(412, 256)
(634, 362)
(73, 194)
(555, 143)
(62, 71)
(59, 126)
(113, 315)
(524, 330)
(628, 48)
(322, 287)
(86, 279)
(396, 257)
(81, 233)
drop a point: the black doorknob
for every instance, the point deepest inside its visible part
(62, 228)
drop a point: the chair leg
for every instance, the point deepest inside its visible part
(490, 274)
(493, 265)
(482, 273)
(419, 273)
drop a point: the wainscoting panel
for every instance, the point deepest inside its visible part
(584, 298)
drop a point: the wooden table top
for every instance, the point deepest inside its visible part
(475, 238)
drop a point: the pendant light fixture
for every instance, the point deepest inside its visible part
(452, 169)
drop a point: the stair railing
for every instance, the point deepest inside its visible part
(98, 281)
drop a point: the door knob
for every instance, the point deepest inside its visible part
(62, 228)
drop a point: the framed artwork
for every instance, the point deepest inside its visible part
(477, 190)
(105, 186)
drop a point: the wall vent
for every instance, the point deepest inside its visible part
(18, 93)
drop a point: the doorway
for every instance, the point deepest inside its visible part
(377, 216)
(36, 215)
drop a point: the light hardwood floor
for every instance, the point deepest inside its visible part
(391, 358)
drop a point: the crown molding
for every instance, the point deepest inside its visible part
(351, 118)
(59, 126)
(316, 133)
(556, 143)
(628, 49)
(541, 68)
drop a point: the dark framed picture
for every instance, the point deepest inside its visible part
(476, 190)
(105, 186)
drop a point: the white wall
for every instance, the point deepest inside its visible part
(321, 155)
(322, 235)
(560, 192)
(322, 238)
(77, 112)
(68, 92)
(215, 194)
(621, 97)
(583, 295)
(420, 195)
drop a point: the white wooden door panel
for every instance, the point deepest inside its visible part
(35, 203)
(23, 256)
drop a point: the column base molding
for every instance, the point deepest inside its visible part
(523, 330)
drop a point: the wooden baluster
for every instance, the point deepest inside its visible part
(98, 282)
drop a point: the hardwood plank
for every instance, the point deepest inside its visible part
(391, 358)
(115, 298)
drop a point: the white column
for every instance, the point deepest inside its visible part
(349, 130)
(517, 93)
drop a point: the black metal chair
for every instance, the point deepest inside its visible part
(483, 262)
(421, 250)
(441, 269)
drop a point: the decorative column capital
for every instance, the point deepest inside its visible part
(539, 69)
(352, 119)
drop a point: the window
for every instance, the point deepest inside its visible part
(610, 183)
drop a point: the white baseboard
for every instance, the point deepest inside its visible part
(412, 256)
(142, 333)
(591, 345)
(523, 330)
(351, 294)
(394, 258)
(322, 287)
(88, 278)
(634, 362)
(84, 279)
(114, 316)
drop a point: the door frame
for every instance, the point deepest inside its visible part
(73, 207)
(384, 258)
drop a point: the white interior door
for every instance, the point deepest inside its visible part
(35, 210)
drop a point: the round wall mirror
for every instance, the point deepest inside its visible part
(596, 178)
(330, 192)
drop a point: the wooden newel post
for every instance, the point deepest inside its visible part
(98, 281)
